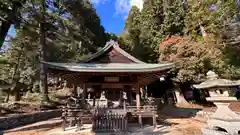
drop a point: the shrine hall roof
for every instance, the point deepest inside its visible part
(111, 67)
(109, 46)
(121, 62)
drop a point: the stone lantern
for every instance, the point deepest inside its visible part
(224, 119)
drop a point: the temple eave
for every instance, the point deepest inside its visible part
(110, 68)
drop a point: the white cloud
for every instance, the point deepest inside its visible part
(123, 6)
(138, 3)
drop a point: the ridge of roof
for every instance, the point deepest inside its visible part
(115, 45)
(101, 51)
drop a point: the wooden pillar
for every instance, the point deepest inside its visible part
(137, 97)
(131, 97)
(138, 104)
(124, 105)
(74, 90)
(84, 91)
(84, 94)
(121, 98)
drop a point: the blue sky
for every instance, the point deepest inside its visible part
(112, 13)
(111, 21)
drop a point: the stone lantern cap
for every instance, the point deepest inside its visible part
(213, 81)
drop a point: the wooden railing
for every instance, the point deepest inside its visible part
(72, 116)
(148, 108)
(143, 111)
(107, 120)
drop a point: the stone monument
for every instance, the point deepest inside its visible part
(224, 121)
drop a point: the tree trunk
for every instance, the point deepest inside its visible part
(180, 95)
(180, 98)
(17, 90)
(4, 30)
(7, 97)
(43, 75)
(15, 78)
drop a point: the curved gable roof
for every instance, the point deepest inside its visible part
(112, 44)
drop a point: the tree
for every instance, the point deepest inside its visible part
(146, 29)
(209, 17)
(232, 44)
(132, 25)
(152, 18)
(82, 27)
(194, 59)
(173, 21)
(20, 70)
(43, 75)
(9, 15)
(202, 47)
(59, 31)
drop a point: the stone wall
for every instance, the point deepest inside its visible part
(24, 119)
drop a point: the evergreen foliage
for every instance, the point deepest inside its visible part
(208, 30)
(50, 30)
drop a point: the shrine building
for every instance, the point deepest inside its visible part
(111, 70)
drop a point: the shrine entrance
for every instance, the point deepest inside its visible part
(111, 78)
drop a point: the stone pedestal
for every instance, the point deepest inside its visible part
(223, 117)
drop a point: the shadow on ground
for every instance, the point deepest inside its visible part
(5, 111)
(36, 127)
(178, 112)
